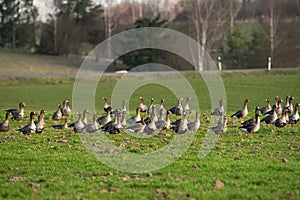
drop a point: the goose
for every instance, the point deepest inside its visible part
(153, 114)
(279, 106)
(220, 110)
(109, 125)
(293, 119)
(241, 114)
(93, 127)
(162, 123)
(106, 106)
(252, 120)
(271, 118)
(194, 126)
(123, 119)
(221, 127)
(135, 118)
(79, 125)
(181, 127)
(17, 115)
(84, 117)
(282, 122)
(138, 127)
(151, 127)
(150, 108)
(289, 104)
(31, 127)
(266, 108)
(278, 109)
(105, 119)
(252, 127)
(161, 115)
(177, 110)
(61, 126)
(186, 107)
(66, 110)
(124, 109)
(4, 125)
(40, 124)
(143, 107)
(57, 115)
(116, 127)
(161, 107)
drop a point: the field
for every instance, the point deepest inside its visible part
(56, 165)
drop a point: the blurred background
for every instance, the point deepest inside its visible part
(242, 33)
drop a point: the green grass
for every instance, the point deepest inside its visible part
(250, 168)
(28, 64)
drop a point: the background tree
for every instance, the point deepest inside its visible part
(236, 49)
(144, 56)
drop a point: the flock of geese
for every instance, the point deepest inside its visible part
(150, 120)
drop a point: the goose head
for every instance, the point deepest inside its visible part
(21, 105)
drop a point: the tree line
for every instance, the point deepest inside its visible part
(244, 33)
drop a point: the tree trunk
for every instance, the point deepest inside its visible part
(14, 36)
(272, 29)
(55, 34)
(133, 12)
(231, 16)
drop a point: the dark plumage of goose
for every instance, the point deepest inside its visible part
(136, 118)
(29, 128)
(93, 127)
(66, 110)
(40, 124)
(272, 116)
(241, 114)
(137, 127)
(289, 104)
(106, 106)
(181, 127)
(4, 126)
(114, 127)
(61, 126)
(282, 122)
(220, 110)
(163, 124)
(17, 115)
(293, 119)
(105, 119)
(252, 120)
(221, 127)
(57, 115)
(177, 110)
(266, 108)
(252, 127)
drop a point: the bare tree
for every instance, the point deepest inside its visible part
(271, 26)
(234, 8)
(208, 16)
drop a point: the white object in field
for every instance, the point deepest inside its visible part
(269, 63)
(220, 64)
(121, 72)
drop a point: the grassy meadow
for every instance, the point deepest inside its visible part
(56, 165)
